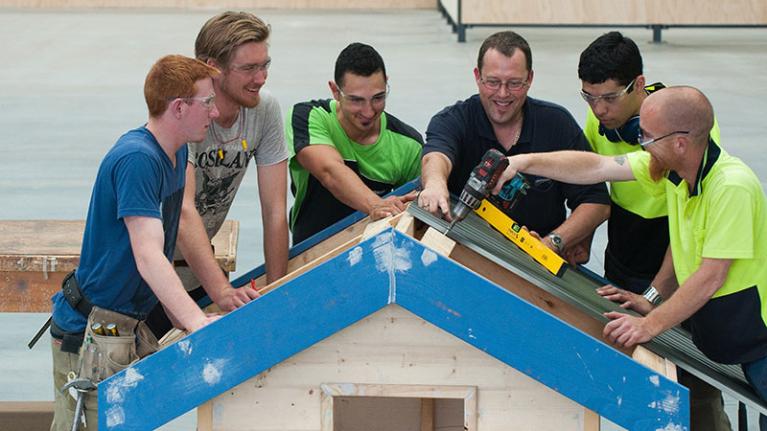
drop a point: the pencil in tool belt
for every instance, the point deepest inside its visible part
(112, 330)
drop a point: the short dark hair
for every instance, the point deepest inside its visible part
(359, 59)
(505, 42)
(610, 56)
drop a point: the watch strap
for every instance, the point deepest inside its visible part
(652, 295)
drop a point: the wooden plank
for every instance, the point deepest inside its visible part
(318, 303)
(318, 244)
(753, 12)
(28, 292)
(686, 12)
(205, 417)
(375, 227)
(216, 4)
(321, 249)
(225, 245)
(655, 362)
(40, 245)
(483, 315)
(326, 411)
(311, 265)
(36, 255)
(427, 414)
(247, 341)
(54, 245)
(26, 415)
(332, 247)
(406, 224)
(590, 420)
(397, 390)
(445, 368)
(438, 241)
(529, 292)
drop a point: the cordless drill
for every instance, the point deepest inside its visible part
(481, 180)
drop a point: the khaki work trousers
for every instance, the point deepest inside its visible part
(64, 403)
(706, 406)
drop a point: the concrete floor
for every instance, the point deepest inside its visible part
(72, 83)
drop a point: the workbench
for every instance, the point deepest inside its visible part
(35, 255)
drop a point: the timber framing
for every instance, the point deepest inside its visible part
(363, 275)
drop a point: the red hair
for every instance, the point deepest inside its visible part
(173, 76)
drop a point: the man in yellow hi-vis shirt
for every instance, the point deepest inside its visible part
(614, 86)
(715, 271)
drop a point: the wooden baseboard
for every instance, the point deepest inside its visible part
(26, 415)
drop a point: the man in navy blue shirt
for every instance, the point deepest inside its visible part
(501, 116)
(130, 232)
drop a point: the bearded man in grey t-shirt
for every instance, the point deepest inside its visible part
(249, 125)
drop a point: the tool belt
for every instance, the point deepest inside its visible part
(104, 352)
(74, 295)
(125, 341)
(70, 342)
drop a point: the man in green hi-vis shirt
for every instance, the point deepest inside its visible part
(346, 152)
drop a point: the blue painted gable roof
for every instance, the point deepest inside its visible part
(390, 268)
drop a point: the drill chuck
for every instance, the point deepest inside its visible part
(471, 196)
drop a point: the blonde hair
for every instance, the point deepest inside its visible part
(223, 33)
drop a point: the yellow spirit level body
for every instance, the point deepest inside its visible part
(521, 237)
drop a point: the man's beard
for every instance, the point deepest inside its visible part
(657, 170)
(236, 95)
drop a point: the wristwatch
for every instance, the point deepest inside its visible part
(556, 241)
(652, 295)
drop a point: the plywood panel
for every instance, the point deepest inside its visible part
(710, 12)
(231, 4)
(552, 12)
(391, 346)
(319, 304)
(613, 12)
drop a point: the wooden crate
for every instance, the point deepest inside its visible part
(35, 255)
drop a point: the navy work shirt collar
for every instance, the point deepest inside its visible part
(710, 156)
(486, 128)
